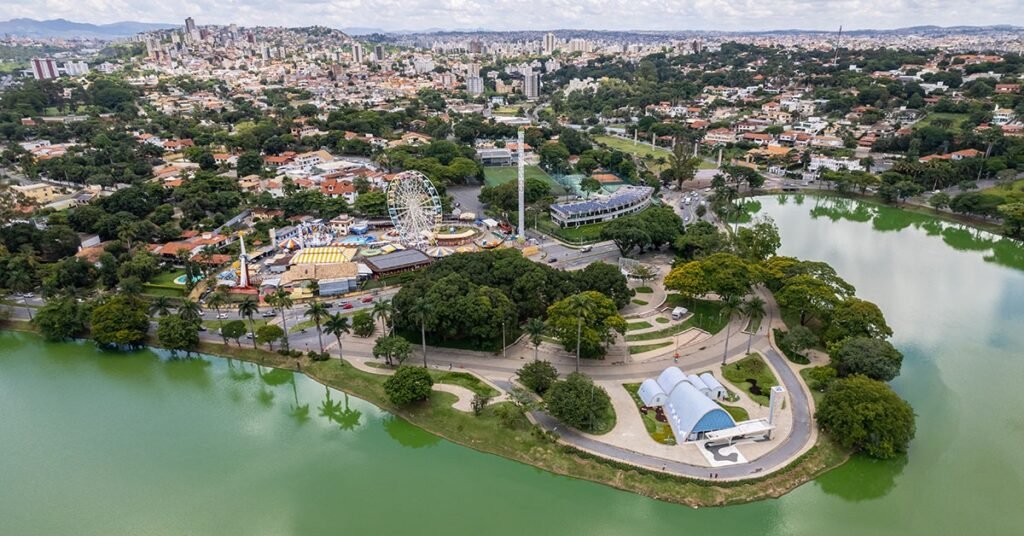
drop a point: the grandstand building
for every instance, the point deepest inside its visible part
(624, 201)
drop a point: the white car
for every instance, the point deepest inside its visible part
(222, 315)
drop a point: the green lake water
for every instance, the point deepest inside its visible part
(101, 443)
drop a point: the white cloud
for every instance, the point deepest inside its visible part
(537, 14)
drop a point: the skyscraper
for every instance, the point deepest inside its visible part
(357, 53)
(549, 43)
(531, 85)
(473, 69)
(190, 25)
(378, 53)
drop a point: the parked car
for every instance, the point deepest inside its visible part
(222, 315)
(367, 299)
(552, 260)
(269, 314)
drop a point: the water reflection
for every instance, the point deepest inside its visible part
(863, 479)
(346, 417)
(1002, 251)
(408, 435)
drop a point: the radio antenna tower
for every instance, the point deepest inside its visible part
(835, 59)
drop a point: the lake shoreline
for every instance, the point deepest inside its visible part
(487, 434)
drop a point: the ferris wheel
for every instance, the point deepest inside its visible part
(414, 207)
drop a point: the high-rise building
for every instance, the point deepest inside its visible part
(531, 85)
(578, 45)
(358, 54)
(190, 25)
(475, 47)
(76, 68)
(549, 44)
(473, 69)
(378, 53)
(44, 68)
(474, 85)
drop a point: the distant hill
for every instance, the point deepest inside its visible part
(61, 28)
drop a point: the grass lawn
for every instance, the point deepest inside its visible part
(644, 290)
(955, 119)
(463, 379)
(299, 326)
(645, 151)
(168, 277)
(659, 431)
(641, 348)
(494, 176)
(753, 376)
(662, 320)
(753, 325)
(738, 414)
(175, 291)
(576, 235)
(640, 302)
(706, 316)
(214, 324)
(633, 326)
(506, 110)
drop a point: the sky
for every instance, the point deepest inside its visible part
(395, 15)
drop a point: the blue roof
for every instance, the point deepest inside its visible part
(624, 196)
(690, 412)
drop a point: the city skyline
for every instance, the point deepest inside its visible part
(501, 15)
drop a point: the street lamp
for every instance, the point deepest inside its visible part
(504, 354)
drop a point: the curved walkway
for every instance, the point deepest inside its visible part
(707, 354)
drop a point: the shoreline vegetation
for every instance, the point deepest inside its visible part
(981, 224)
(520, 441)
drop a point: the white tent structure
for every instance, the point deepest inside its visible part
(715, 388)
(651, 393)
(696, 382)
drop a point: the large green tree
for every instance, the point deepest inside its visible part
(577, 402)
(854, 317)
(60, 319)
(119, 321)
(537, 376)
(176, 333)
(875, 358)
(408, 385)
(586, 322)
(866, 415)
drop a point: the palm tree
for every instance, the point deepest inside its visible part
(217, 300)
(318, 313)
(754, 309)
(535, 330)
(160, 306)
(583, 306)
(420, 312)
(190, 311)
(314, 288)
(246, 308)
(338, 325)
(281, 300)
(730, 307)
(382, 310)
